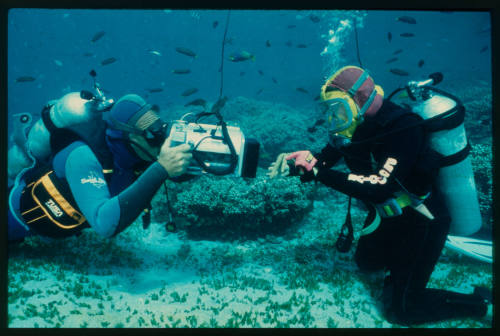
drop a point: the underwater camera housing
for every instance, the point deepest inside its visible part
(215, 151)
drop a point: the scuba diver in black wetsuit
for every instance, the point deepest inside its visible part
(393, 170)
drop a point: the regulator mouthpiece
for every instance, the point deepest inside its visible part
(97, 96)
(416, 89)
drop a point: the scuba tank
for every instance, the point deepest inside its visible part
(17, 155)
(79, 112)
(444, 121)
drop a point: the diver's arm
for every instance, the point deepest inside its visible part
(108, 215)
(401, 152)
(139, 194)
(328, 156)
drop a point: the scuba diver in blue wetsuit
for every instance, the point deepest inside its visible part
(393, 171)
(89, 173)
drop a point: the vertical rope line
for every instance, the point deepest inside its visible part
(357, 45)
(222, 56)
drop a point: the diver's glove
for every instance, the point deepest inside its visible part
(279, 167)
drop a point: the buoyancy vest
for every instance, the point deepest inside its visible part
(47, 204)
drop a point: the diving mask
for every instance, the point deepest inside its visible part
(339, 115)
(342, 116)
(156, 134)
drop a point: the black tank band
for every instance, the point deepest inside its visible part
(49, 125)
(457, 157)
(452, 119)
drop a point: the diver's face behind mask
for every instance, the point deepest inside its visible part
(347, 96)
(342, 117)
(147, 145)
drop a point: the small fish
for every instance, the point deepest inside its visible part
(394, 59)
(314, 18)
(291, 26)
(197, 102)
(399, 72)
(241, 56)
(186, 51)
(215, 24)
(24, 79)
(261, 73)
(155, 90)
(259, 92)
(301, 46)
(181, 71)
(288, 43)
(189, 92)
(98, 36)
(302, 90)
(318, 97)
(242, 73)
(311, 129)
(420, 63)
(88, 54)
(274, 80)
(229, 40)
(154, 52)
(389, 36)
(108, 61)
(407, 34)
(399, 51)
(268, 44)
(406, 19)
(483, 49)
(58, 63)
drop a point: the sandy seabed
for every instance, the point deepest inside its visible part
(151, 278)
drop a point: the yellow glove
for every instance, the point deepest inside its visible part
(279, 167)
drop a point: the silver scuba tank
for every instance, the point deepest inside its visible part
(17, 157)
(447, 136)
(80, 112)
(71, 112)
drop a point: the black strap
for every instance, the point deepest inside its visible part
(49, 125)
(448, 121)
(457, 157)
(346, 235)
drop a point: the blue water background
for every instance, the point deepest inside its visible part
(50, 45)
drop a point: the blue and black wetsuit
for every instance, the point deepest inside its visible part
(108, 206)
(407, 245)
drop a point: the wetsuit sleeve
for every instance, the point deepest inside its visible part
(328, 156)
(108, 215)
(400, 154)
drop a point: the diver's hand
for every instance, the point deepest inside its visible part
(303, 160)
(176, 159)
(279, 167)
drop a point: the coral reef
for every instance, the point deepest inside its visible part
(477, 99)
(481, 158)
(227, 206)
